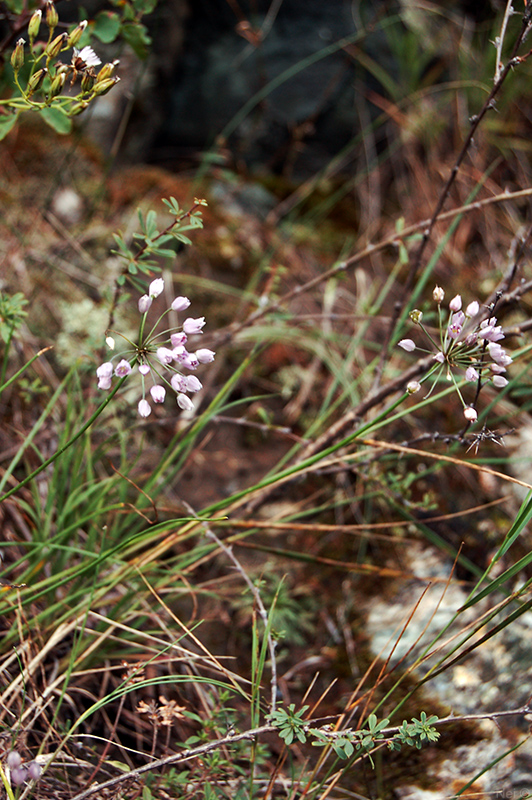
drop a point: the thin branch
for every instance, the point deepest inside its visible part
(197, 752)
(228, 551)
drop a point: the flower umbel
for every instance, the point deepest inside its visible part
(465, 346)
(162, 356)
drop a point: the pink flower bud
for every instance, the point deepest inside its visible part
(18, 776)
(178, 383)
(156, 287)
(178, 339)
(158, 393)
(456, 303)
(179, 352)
(189, 361)
(499, 381)
(104, 383)
(472, 309)
(193, 384)
(144, 303)
(180, 303)
(34, 771)
(439, 357)
(165, 355)
(184, 402)
(144, 369)
(105, 370)
(438, 294)
(497, 369)
(407, 344)
(204, 355)
(144, 408)
(470, 414)
(14, 759)
(471, 374)
(191, 325)
(413, 386)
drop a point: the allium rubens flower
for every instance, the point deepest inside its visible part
(467, 349)
(19, 772)
(163, 357)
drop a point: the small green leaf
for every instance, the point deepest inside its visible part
(144, 6)
(106, 26)
(6, 124)
(57, 119)
(137, 37)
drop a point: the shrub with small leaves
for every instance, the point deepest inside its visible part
(290, 723)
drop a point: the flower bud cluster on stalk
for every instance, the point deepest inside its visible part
(46, 81)
(154, 355)
(19, 772)
(472, 349)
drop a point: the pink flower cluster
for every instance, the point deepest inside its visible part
(472, 348)
(19, 772)
(154, 357)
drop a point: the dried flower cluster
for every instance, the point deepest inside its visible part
(466, 346)
(154, 355)
(165, 714)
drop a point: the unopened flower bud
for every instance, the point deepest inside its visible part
(57, 84)
(407, 344)
(470, 414)
(438, 294)
(144, 408)
(158, 393)
(499, 381)
(36, 80)
(102, 87)
(180, 303)
(34, 771)
(416, 316)
(77, 33)
(204, 355)
(192, 325)
(413, 386)
(56, 45)
(472, 309)
(34, 24)
(456, 303)
(165, 355)
(78, 108)
(195, 385)
(52, 17)
(18, 776)
(17, 56)
(144, 303)
(178, 339)
(184, 402)
(110, 342)
(156, 287)
(14, 759)
(87, 82)
(107, 71)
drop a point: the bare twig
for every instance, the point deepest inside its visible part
(197, 752)
(228, 551)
